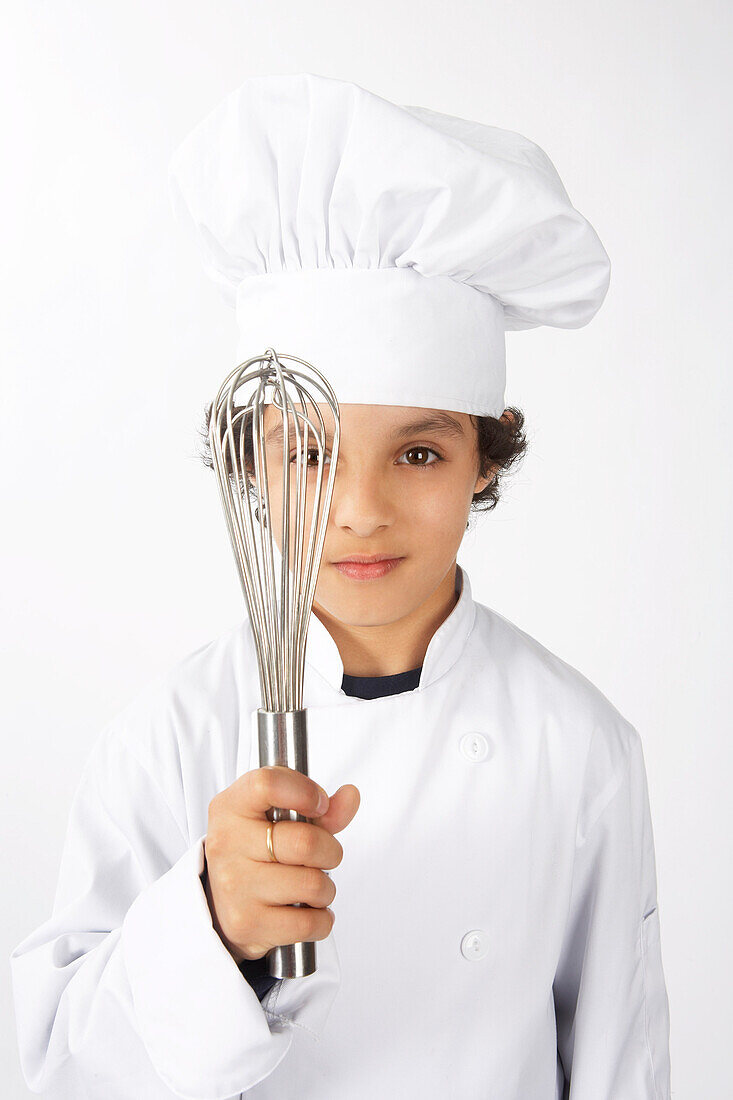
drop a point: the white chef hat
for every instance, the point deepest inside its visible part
(390, 246)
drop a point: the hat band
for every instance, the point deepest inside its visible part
(381, 336)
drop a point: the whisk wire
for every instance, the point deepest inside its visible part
(279, 612)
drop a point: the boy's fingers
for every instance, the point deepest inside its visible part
(342, 808)
(255, 791)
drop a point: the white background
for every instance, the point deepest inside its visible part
(612, 545)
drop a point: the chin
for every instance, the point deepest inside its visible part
(364, 606)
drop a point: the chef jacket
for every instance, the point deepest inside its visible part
(497, 926)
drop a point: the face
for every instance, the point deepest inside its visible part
(400, 491)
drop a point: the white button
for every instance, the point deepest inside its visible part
(475, 944)
(475, 746)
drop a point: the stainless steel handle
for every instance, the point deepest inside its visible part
(283, 739)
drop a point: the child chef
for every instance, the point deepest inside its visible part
(497, 931)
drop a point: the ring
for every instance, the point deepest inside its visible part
(273, 857)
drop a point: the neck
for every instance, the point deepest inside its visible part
(391, 648)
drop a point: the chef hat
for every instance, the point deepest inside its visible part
(389, 246)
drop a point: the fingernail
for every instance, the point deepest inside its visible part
(323, 801)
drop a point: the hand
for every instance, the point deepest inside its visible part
(251, 898)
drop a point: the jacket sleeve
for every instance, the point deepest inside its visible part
(127, 990)
(611, 1002)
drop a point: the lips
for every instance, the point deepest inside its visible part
(369, 570)
(364, 559)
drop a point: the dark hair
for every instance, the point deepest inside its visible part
(501, 443)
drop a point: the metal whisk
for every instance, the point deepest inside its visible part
(279, 607)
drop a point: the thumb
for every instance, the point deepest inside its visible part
(341, 810)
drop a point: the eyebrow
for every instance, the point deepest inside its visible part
(439, 423)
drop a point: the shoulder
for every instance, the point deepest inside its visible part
(183, 725)
(557, 697)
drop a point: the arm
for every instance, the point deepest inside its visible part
(127, 990)
(255, 971)
(610, 997)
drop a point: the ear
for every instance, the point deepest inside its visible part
(481, 484)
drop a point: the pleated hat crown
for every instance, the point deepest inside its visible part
(390, 246)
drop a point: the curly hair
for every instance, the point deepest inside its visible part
(501, 443)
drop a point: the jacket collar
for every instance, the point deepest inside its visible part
(444, 648)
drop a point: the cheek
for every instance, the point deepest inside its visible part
(276, 509)
(438, 509)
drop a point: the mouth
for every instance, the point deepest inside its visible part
(366, 559)
(362, 567)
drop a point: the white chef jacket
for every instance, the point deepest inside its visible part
(497, 930)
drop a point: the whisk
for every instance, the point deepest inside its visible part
(279, 606)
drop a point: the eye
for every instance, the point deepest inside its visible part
(423, 450)
(311, 451)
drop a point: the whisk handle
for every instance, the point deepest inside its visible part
(283, 740)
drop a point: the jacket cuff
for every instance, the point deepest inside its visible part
(202, 1024)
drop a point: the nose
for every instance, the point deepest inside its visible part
(359, 503)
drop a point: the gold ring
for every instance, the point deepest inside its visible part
(273, 857)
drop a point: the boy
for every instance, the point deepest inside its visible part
(498, 928)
